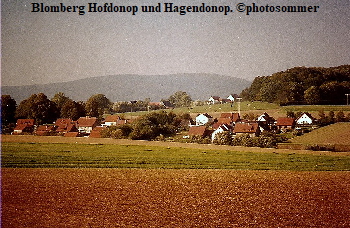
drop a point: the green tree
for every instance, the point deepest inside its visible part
(151, 125)
(180, 99)
(72, 110)
(60, 99)
(97, 105)
(312, 95)
(38, 107)
(8, 109)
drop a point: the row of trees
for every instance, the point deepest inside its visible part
(45, 110)
(302, 85)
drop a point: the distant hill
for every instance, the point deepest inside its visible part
(136, 87)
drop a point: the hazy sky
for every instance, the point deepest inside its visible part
(53, 47)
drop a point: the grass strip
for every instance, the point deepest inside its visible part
(65, 155)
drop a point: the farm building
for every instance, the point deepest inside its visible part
(24, 126)
(220, 129)
(285, 123)
(252, 129)
(86, 124)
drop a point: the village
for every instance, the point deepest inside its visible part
(202, 127)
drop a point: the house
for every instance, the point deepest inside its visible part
(45, 130)
(86, 124)
(223, 100)
(265, 119)
(228, 118)
(24, 126)
(252, 129)
(96, 132)
(265, 122)
(203, 119)
(199, 131)
(111, 120)
(285, 123)
(305, 119)
(232, 97)
(214, 100)
(64, 125)
(220, 129)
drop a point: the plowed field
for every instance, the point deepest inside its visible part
(173, 198)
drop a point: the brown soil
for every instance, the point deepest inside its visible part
(174, 198)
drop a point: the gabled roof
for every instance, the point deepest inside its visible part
(112, 118)
(215, 97)
(234, 117)
(307, 114)
(21, 127)
(63, 122)
(198, 130)
(29, 122)
(87, 121)
(246, 127)
(285, 121)
(205, 114)
(226, 127)
(96, 132)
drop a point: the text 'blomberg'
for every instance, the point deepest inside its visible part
(171, 8)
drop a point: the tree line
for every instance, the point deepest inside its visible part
(302, 85)
(45, 110)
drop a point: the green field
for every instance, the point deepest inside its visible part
(64, 155)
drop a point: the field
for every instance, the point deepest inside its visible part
(338, 133)
(173, 198)
(159, 184)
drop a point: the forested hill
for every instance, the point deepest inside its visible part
(136, 87)
(302, 85)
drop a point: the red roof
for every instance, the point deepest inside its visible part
(285, 121)
(96, 133)
(29, 122)
(72, 134)
(112, 118)
(198, 130)
(87, 122)
(234, 117)
(246, 127)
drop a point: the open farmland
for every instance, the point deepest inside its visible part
(173, 198)
(161, 184)
(338, 133)
(144, 154)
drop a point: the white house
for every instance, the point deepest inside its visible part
(232, 97)
(214, 100)
(305, 119)
(203, 119)
(221, 128)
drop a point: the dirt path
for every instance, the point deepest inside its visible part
(86, 140)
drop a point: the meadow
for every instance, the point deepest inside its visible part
(69, 155)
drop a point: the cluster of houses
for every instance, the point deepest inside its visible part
(218, 100)
(84, 126)
(207, 126)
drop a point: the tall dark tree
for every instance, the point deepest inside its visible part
(180, 99)
(8, 109)
(38, 107)
(97, 104)
(60, 99)
(72, 110)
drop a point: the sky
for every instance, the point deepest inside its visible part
(47, 47)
